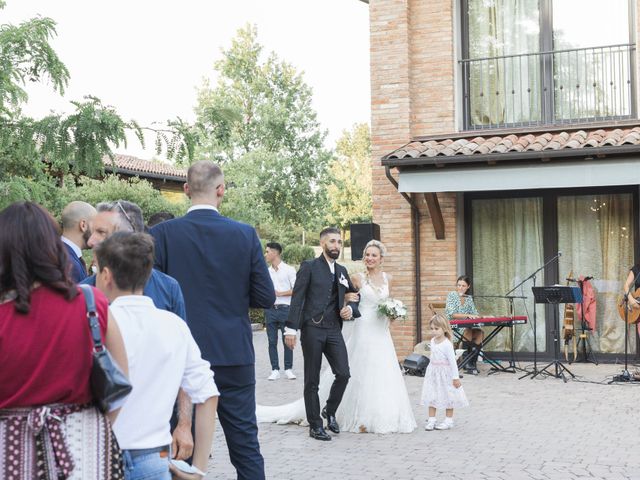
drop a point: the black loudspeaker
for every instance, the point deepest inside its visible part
(415, 364)
(361, 234)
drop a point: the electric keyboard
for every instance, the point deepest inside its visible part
(488, 321)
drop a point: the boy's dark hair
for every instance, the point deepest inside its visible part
(129, 256)
(275, 246)
(330, 230)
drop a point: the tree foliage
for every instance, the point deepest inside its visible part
(259, 122)
(111, 188)
(350, 190)
(58, 143)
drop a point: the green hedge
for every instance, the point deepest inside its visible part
(296, 254)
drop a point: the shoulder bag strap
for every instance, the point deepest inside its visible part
(92, 315)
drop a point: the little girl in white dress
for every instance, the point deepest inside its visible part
(442, 388)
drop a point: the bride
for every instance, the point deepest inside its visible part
(376, 398)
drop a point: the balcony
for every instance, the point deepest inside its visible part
(573, 86)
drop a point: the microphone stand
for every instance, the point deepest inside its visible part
(534, 372)
(625, 376)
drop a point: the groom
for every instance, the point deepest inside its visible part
(317, 310)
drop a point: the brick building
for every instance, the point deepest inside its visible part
(504, 131)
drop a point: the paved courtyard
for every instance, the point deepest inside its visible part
(515, 429)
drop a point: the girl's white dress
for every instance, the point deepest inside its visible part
(376, 399)
(438, 390)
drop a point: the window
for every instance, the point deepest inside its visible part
(512, 236)
(533, 62)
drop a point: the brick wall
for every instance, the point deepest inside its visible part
(412, 93)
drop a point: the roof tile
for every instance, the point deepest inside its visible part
(519, 142)
(145, 167)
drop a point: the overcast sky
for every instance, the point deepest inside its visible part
(146, 57)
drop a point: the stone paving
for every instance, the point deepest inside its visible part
(541, 429)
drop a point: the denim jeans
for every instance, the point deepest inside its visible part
(145, 466)
(276, 319)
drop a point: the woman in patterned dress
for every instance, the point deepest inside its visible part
(460, 305)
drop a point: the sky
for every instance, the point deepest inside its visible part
(147, 58)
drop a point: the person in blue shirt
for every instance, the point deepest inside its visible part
(165, 291)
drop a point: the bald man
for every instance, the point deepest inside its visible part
(76, 230)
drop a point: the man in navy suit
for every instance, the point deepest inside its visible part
(220, 267)
(76, 230)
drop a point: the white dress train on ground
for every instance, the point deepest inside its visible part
(376, 399)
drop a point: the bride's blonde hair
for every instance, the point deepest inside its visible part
(375, 243)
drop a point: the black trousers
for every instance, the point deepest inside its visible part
(329, 342)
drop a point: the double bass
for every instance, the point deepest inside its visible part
(568, 327)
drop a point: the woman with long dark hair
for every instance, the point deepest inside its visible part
(460, 305)
(48, 422)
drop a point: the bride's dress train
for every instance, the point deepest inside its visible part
(376, 398)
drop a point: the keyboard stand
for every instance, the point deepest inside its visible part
(478, 350)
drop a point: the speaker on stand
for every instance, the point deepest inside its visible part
(361, 234)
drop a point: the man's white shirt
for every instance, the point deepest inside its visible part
(74, 247)
(283, 279)
(201, 206)
(163, 357)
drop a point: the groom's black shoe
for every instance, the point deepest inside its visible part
(332, 423)
(319, 433)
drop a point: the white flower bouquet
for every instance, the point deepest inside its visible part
(392, 308)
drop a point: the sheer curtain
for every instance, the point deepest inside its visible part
(507, 247)
(595, 234)
(505, 90)
(591, 83)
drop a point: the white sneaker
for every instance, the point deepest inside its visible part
(289, 374)
(275, 374)
(430, 425)
(444, 425)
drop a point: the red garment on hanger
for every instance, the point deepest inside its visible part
(589, 302)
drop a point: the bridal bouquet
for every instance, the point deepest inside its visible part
(392, 308)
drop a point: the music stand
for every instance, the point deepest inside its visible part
(556, 294)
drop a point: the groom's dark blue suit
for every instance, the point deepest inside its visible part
(221, 268)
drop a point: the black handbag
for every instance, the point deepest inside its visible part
(108, 383)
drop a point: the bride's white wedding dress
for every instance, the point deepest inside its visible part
(376, 398)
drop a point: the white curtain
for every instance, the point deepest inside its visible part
(504, 90)
(507, 247)
(595, 234)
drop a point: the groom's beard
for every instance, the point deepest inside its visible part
(335, 254)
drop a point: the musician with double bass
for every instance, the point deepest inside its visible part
(460, 305)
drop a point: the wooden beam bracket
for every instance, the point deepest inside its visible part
(436, 214)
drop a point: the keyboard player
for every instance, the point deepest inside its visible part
(460, 305)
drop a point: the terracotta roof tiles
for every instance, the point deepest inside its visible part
(145, 168)
(496, 145)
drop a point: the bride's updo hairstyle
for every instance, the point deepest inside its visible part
(379, 245)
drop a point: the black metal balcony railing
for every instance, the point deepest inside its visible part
(580, 85)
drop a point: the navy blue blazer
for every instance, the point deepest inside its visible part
(78, 272)
(221, 268)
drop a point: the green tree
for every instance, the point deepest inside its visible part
(350, 190)
(259, 122)
(111, 188)
(75, 143)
